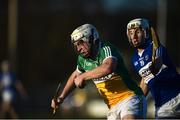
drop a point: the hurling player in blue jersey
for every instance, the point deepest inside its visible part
(159, 76)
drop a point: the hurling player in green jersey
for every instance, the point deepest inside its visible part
(102, 63)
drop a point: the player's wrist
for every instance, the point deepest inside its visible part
(60, 100)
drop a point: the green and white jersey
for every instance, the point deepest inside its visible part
(116, 86)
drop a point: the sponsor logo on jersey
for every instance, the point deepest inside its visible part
(146, 57)
(102, 79)
(135, 63)
(88, 63)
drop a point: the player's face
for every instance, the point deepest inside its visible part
(82, 48)
(136, 36)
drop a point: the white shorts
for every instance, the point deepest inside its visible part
(135, 105)
(169, 109)
(7, 96)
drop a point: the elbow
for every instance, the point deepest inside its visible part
(108, 70)
(109, 67)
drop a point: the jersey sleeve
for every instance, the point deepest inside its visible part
(107, 52)
(79, 69)
(162, 52)
(159, 51)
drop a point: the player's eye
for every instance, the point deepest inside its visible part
(131, 33)
(79, 42)
(138, 30)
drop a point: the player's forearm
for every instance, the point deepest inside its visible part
(144, 87)
(98, 72)
(108, 66)
(67, 90)
(69, 87)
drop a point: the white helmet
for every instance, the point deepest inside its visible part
(139, 23)
(86, 33)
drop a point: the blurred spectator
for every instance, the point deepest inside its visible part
(9, 86)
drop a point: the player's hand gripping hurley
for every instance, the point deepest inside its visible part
(56, 97)
(156, 60)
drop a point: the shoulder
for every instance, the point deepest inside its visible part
(135, 58)
(104, 45)
(104, 49)
(108, 48)
(135, 55)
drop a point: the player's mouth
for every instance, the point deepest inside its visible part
(135, 42)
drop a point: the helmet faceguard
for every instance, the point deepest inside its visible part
(141, 23)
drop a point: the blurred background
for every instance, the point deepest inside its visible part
(35, 37)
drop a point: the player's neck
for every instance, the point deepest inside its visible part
(140, 50)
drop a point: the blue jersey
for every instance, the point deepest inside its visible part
(165, 84)
(8, 81)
